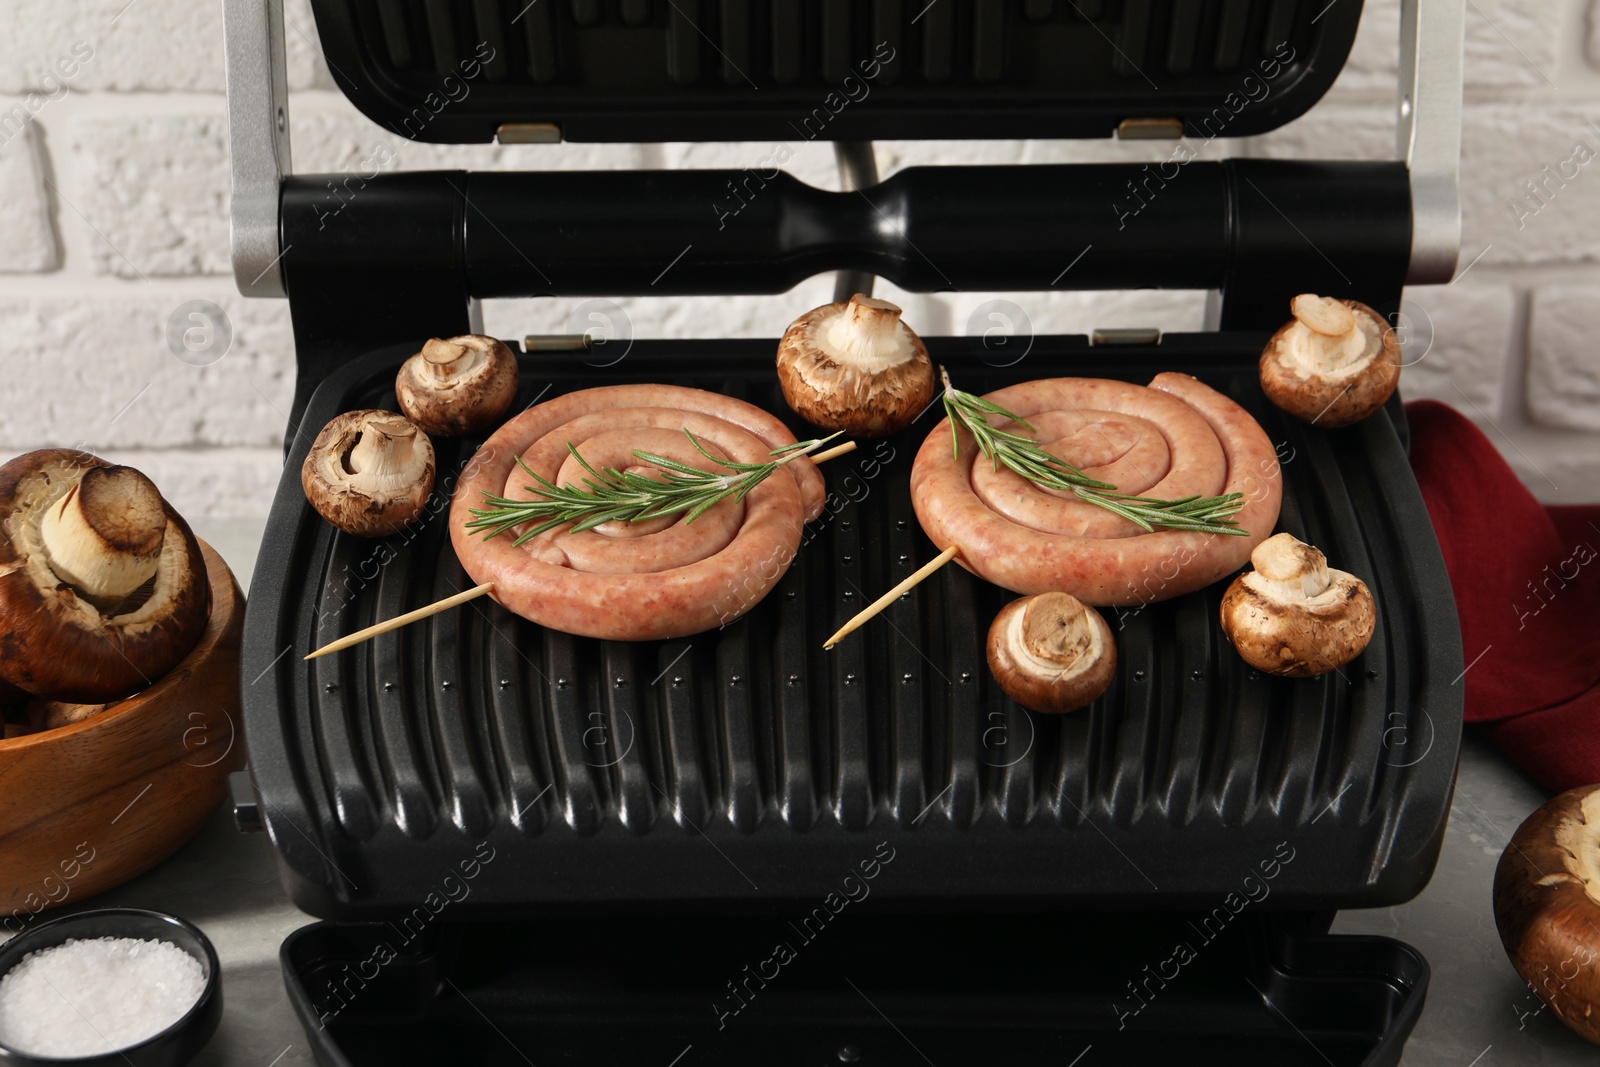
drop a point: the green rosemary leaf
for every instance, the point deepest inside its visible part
(1024, 455)
(610, 495)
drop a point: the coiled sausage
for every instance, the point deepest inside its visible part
(657, 579)
(1175, 438)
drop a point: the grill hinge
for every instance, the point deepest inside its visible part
(1149, 129)
(528, 133)
(1128, 336)
(556, 342)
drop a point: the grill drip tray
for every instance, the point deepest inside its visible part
(743, 769)
(877, 990)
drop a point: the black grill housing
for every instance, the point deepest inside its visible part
(744, 768)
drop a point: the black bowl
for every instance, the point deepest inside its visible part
(175, 1045)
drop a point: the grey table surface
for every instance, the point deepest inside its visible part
(1478, 1013)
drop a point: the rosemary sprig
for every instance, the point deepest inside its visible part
(1022, 454)
(608, 495)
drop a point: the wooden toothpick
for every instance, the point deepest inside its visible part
(836, 450)
(472, 594)
(891, 596)
(403, 620)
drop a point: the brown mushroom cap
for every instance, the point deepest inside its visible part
(67, 518)
(1547, 906)
(1335, 363)
(855, 367)
(1294, 615)
(369, 472)
(1050, 653)
(457, 386)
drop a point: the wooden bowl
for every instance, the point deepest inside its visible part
(87, 806)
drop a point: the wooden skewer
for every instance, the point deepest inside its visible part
(403, 620)
(891, 596)
(836, 450)
(458, 599)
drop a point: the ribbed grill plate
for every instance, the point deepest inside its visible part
(744, 767)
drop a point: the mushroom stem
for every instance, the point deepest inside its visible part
(105, 536)
(1579, 842)
(1050, 653)
(1055, 633)
(1291, 567)
(1332, 340)
(868, 336)
(384, 454)
(450, 362)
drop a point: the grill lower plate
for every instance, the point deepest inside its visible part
(744, 768)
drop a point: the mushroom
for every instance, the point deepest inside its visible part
(1294, 615)
(48, 714)
(102, 585)
(1547, 906)
(1335, 364)
(457, 386)
(369, 472)
(1050, 653)
(855, 367)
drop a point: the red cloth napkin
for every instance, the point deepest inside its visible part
(1527, 587)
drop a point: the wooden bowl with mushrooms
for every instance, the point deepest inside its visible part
(125, 677)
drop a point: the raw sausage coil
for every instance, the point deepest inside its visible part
(651, 580)
(1175, 438)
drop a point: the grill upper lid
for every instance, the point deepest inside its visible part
(838, 70)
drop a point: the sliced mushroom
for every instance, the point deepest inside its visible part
(1050, 653)
(1336, 363)
(1294, 615)
(457, 386)
(102, 585)
(1547, 906)
(369, 472)
(855, 367)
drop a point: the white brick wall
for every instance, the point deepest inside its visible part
(113, 207)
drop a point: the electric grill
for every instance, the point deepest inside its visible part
(642, 822)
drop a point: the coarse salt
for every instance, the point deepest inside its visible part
(96, 995)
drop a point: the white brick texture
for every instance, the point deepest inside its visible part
(97, 373)
(29, 243)
(219, 483)
(1455, 340)
(1563, 361)
(1594, 32)
(155, 191)
(1530, 183)
(158, 45)
(1509, 43)
(114, 197)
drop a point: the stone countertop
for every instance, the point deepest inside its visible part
(1478, 1012)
